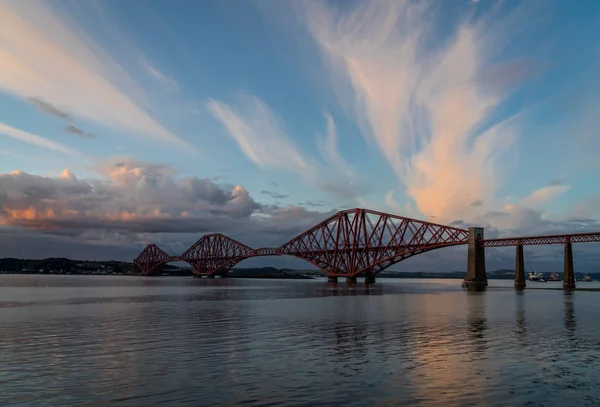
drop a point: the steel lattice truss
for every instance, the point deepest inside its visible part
(349, 243)
(215, 254)
(359, 241)
(550, 239)
(150, 258)
(267, 251)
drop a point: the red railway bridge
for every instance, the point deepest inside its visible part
(364, 242)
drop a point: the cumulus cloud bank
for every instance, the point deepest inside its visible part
(133, 204)
(138, 200)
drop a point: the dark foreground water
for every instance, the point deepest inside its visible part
(124, 341)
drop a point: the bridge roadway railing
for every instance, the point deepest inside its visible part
(540, 240)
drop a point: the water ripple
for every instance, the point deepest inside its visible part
(97, 341)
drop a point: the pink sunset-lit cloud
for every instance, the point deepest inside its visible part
(46, 56)
(427, 107)
(141, 198)
(422, 106)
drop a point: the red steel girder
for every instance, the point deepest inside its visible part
(348, 243)
(538, 240)
(215, 254)
(150, 258)
(267, 251)
(360, 240)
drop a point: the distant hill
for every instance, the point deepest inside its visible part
(61, 265)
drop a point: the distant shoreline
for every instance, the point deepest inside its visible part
(447, 276)
(64, 266)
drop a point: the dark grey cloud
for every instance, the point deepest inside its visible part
(48, 108)
(477, 203)
(557, 181)
(143, 203)
(274, 195)
(52, 110)
(139, 202)
(312, 204)
(71, 129)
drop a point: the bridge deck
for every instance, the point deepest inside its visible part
(538, 240)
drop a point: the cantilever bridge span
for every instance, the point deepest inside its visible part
(361, 242)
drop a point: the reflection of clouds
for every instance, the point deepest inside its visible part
(288, 342)
(442, 356)
(72, 351)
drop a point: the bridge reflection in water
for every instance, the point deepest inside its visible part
(362, 242)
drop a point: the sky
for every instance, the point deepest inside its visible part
(129, 123)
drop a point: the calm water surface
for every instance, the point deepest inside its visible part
(127, 341)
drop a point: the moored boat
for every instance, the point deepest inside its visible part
(533, 276)
(554, 277)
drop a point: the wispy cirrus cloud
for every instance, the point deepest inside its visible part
(588, 208)
(540, 197)
(36, 140)
(49, 60)
(329, 149)
(425, 104)
(261, 135)
(274, 195)
(166, 81)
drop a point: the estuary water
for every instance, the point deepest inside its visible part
(170, 341)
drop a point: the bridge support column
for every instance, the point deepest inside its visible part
(520, 268)
(332, 279)
(476, 275)
(210, 276)
(369, 278)
(568, 272)
(351, 279)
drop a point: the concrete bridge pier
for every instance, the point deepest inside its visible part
(332, 279)
(520, 268)
(568, 271)
(351, 279)
(476, 274)
(210, 276)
